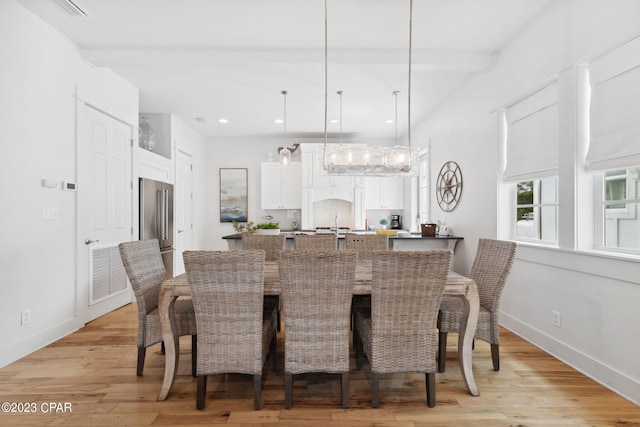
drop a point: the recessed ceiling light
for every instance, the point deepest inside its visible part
(223, 120)
(389, 122)
(278, 121)
(334, 121)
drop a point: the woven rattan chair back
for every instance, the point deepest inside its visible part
(143, 263)
(491, 267)
(308, 242)
(271, 244)
(316, 291)
(398, 332)
(490, 270)
(366, 244)
(227, 288)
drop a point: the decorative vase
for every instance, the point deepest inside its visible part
(146, 137)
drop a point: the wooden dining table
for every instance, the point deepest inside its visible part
(457, 285)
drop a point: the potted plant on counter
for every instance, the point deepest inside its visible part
(268, 228)
(383, 224)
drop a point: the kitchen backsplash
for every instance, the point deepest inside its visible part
(324, 213)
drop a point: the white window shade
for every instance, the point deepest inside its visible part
(532, 136)
(614, 114)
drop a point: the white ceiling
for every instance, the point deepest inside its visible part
(232, 58)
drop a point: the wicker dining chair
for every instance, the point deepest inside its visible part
(307, 242)
(143, 264)
(235, 333)
(490, 270)
(316, 292)
(364, 245)
(398, 332)
(272, 245)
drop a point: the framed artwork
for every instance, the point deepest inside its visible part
(233, 195)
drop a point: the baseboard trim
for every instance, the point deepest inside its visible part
(585, 364)
(29, 344)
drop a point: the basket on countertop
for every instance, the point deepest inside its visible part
(428, 229)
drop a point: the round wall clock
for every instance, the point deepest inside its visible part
(449, 186)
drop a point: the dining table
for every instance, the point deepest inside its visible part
(456, 285)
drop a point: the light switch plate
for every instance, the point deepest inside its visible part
(50, 213)
(50, 183)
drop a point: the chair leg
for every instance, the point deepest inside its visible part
(430, 379)
(142, 351)
(201, 392)
(194, 354)
(442, 351)
(359, 350)
(288, 390)
(495, 356)
(257, 392)
(375, 399)
(345, 389)
(273, 350)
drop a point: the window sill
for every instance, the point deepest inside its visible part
(624, 267)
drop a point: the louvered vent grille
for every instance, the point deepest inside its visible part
(108, 275)
(73, 9)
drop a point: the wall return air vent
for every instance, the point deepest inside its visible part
(73, 9)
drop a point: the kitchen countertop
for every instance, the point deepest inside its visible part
(289, 235)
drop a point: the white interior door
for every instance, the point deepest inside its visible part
(104, 211)
(183, 218)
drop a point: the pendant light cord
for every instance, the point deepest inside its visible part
(284, 121)
(325, 86)
(340, 94)
(409, 78)
(396, 93)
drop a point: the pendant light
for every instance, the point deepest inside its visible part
(351, 159)
(285, 153)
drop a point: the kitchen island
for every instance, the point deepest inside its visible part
(402, 242)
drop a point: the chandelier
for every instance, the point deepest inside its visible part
(351, 159)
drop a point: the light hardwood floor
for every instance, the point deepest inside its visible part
(94, 371)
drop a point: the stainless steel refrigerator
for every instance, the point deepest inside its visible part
(156, 217)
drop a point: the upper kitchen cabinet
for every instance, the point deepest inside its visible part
(281, 186)
(384, 192)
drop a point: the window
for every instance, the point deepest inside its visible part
(613, 153)
(536, 210)
(618, 207)
(531, 164)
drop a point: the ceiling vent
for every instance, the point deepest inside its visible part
(73, 9)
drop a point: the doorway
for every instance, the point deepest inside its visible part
(183, 207)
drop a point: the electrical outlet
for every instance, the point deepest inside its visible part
(25, 317)
(555, 318)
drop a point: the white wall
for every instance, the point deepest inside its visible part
(597, 296)
(191, 142)
(237, 153)
(40, 74)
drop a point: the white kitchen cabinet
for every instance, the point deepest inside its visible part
(281, 186)
(384, 192)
